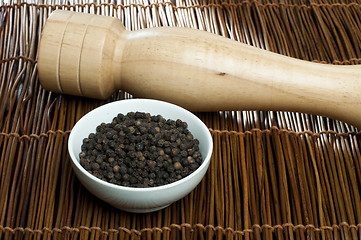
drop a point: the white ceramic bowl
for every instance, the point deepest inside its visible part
(139, 199)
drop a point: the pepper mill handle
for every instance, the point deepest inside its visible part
(93, 56)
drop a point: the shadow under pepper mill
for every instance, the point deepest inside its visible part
(93, 56)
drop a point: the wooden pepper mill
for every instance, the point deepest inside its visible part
(93, 56)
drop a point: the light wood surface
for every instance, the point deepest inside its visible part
(93, 56)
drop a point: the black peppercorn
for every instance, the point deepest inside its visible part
(183, 154)
(172, 175)
(151, 175)
(160, 143)
(123, 169)
(140, 164)
(152, 164)
(87, 166)
(103, 165)
(139, 146)
(175, 151)
(109, 175)
(116, 168)
(126, 177)
(95, 166)
(117, 176)
(185, 171)
(132, 180)
(82, 154)
(170, 169)
(194, 166)
(177, 166)
(183, 146)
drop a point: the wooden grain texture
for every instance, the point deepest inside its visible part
(273, 175)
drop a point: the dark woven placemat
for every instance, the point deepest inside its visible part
(273, 175)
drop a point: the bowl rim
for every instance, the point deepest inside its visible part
(205, 163)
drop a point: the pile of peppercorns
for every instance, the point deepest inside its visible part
(140, 150)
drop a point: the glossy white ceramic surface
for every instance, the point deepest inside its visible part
(139, 199)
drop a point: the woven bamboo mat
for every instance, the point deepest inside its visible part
(273, 175)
